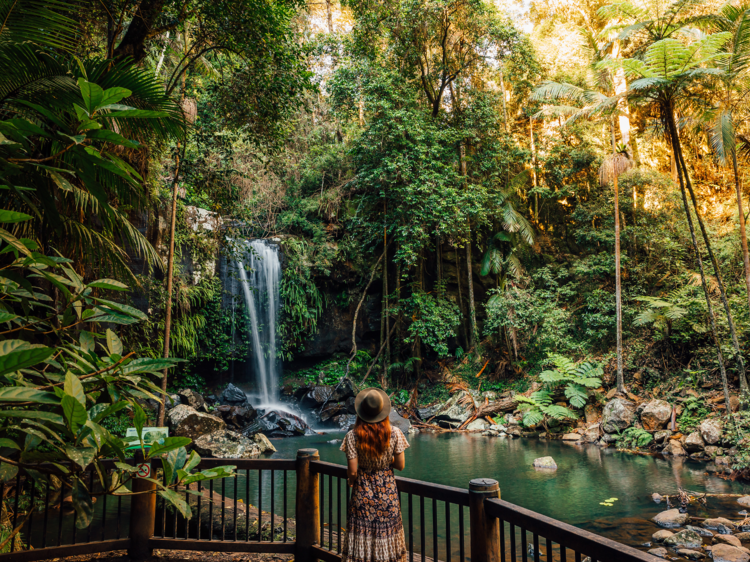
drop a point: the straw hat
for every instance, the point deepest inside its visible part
(372, 405)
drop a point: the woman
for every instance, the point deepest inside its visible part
(373, 448)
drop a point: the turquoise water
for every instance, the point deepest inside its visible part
(586, 476)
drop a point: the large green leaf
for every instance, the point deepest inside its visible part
(114, 345)
(178, 501)
(74, 412)
(74, 388)
(26, 394)
(110, 284)
(170, 444)
(13, 216)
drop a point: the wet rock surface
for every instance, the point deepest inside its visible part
(225, 444)
(185, 421)
(618, 415)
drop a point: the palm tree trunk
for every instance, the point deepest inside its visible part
(743, 232)
(618, 276)
(675, 140)
(722, 291)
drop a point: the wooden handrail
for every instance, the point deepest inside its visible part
(585, 542)
(451, 494)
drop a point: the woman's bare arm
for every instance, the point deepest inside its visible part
(399, 461)
(351, 471)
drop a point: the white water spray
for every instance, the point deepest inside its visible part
(260, 285)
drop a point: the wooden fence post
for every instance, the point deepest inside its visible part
(484, 529)
(308, 506)
(142, 515)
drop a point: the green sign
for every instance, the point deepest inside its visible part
(151, 435)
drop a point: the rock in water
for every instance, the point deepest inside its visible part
(226, 444)
(233, 396)
(264, 444)
(661, 535)
(397, 421)
(186, 422)
(618, 415)
(700, 531)
(691, 554)
(694, 442)
(670, 519)
(656, 415)
(345, 421)
(717, 522)
(674, 448)
(331, 410)
(727, 539)
(684, 539)
(477, 425)
(237, 416)
(744, 500)
(657, 497)
(710, 430)
(572, 437)
(426, 413)
(545, 462)
(727, 553)
(192, 398)
(661, 552)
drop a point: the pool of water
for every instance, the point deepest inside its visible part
(586, 476)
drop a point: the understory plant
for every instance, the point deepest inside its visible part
(63, 370)
(634, 438)
(575, 378)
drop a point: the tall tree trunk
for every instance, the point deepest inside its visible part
(722, 291)
(505, 108)
(533, 168)
(461, 300)
(675, 140)
(385, 327)
(329, 16)
(618, 276)
(743, 232)
(472, 308)
(170, 268)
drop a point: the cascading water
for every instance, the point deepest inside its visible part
(260, 275)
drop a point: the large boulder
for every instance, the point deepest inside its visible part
(191, 398)
(343, 390)
(727, 553)
(331, 410)
(224, 444)
(674, 448)
(237, 416)
(731, 540)
(618, 415)
(670, 519)
(429, 411)
(345, 421)
(455, 411)
(684, 539)
(656, 415)
(661, 436)
(264, 444)
(694, 442)
(710, 430)
(187, 422)
(317, 396)
(233, 396)
(660, 551)
(397, 421)
(715, 523)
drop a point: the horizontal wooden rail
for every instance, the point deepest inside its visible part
(451, 494)
(590, 544)
(267, 547)
(67, 550)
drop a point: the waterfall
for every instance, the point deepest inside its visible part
(260, 274)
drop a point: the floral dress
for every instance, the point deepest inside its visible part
(374, 530)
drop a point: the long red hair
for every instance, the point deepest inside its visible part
(372, 438)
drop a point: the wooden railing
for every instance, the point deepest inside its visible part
(251, 512)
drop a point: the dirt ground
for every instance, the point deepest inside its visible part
(180, 555)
